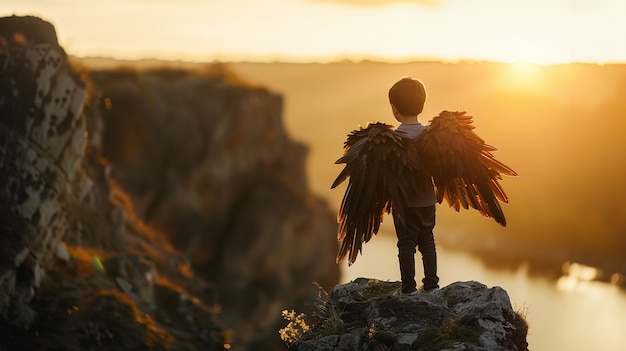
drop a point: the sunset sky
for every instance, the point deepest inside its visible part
(537, 31)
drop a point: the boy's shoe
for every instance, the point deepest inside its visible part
(412, 293)
(400, 293)
(421, 289)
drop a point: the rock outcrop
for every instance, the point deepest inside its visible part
(158, 209)
(368, 314)
(42, 140)
(78, 270)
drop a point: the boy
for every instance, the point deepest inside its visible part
(407, 97)
(397, 170)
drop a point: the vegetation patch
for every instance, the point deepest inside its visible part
(375, 289)
(462, 330)
(375, 337)
(328, 316)
(521, 329)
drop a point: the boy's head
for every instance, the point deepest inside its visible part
(408, 96)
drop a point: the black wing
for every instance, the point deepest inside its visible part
(464, 171)
(382, 167)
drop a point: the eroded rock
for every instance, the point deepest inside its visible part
(78, 269)
(42, 140)
(369, 314)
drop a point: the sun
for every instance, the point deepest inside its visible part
(523, 70)
(523, 74)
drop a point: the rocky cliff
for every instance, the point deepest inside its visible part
(207, 162)
(41, 144)
(158, 209)
(368, 314)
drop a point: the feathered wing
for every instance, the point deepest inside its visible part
(380, 174)
(464, 171)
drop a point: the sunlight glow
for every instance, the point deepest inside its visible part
(523, 74)
(523, 69)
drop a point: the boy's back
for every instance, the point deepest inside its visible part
(425, 198)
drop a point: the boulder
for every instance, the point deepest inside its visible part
(368, 314)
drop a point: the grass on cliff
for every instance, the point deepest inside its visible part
(466, 330)
(462, 330)
(328, 319)
(521, 328)
(328, 316)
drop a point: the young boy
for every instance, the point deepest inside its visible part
(407, 97)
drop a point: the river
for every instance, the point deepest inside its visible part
(573, 313)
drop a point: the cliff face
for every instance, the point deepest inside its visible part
(207, 162)
(41, 143)
(232, 232)
(78, 270)
(193, 150)
(367, 314)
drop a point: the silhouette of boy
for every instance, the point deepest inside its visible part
(407, 97)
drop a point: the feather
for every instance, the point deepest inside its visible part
(464, 171)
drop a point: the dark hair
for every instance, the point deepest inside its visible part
(408, 96)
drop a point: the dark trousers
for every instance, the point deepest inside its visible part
(416, 230)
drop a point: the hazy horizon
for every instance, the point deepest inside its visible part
(338, 60)
(534, 31)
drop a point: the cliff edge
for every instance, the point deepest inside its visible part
(161, 209)
(368, 314)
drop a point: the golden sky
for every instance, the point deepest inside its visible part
(537, 31)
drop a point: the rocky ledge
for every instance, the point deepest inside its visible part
(368, 314)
